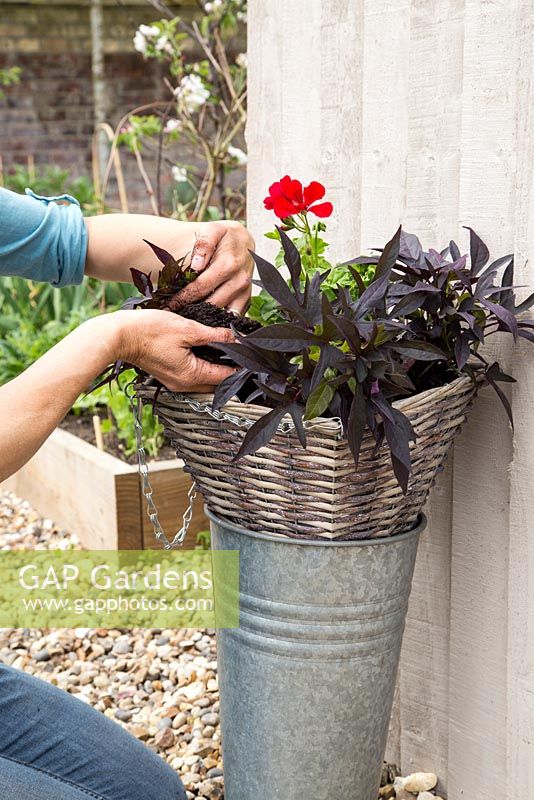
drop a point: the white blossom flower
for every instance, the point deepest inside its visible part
(192, 92)
(208, 8)
(179, 174)
(139, 42)
(142, 34)
(242, 60)
(172, 125)
(149, 31)
(238, 155)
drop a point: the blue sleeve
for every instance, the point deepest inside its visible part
(41, 240)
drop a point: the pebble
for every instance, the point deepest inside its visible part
(386, 792)
(165, 739)
(42, 655)
(420, 782)
(428, 796)
(122, 646)
(123, 715)
(210, 719)
(211, 790)
(214, 772)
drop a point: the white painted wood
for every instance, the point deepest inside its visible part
(520, 653)
(306, 108)
(420, 111)
(434, 121)
(386, 37)
(481, 491)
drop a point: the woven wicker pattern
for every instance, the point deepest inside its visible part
(317, 492)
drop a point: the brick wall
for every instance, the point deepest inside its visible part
(50, 114)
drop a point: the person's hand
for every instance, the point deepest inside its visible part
(160, 342)
(221, 256)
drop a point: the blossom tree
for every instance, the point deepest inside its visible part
(196, 134)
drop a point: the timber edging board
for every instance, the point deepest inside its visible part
(98, 497)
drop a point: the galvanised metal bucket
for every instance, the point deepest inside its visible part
(307, 680)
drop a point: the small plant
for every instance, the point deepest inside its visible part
(118, 425)
(398, 322)
(203, 540)
(49, 180)
(9, 76)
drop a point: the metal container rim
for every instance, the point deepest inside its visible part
(270, 537)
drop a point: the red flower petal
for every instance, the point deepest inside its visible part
(292, 190)
(314, 191)
(268, 203)
(322, 210)
(283, 208)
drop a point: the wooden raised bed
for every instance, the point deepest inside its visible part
(98, 497)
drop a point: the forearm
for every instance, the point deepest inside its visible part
(116, 243)
(33, 404)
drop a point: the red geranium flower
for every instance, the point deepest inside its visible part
(287, 197)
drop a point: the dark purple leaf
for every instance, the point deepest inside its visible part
(256, 359)
(161, 254)
(420, 351)
(494, 374)
(282, 336)
(273, 283)
(409, 303)
(357, 279)
(229, 388)
(462, 350)
(348, 331)
(479, 253)
(132, 302)
(410, 247)
(261, 432)
(297, 413)
(525, 305)
(454, 250)
(142, 282)
(503, 315)
(356, 423)
(398, 436)
(389, 255)
(292, 259)
(373, 296)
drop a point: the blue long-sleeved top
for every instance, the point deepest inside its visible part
(40, 239)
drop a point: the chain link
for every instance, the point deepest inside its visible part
(242, 422)
(137, 411)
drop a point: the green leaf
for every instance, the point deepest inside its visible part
(319, 400)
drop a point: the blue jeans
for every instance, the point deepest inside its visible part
(55, 746)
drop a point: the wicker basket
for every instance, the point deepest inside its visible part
(316, 492)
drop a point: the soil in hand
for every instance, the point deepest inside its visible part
(215, 317)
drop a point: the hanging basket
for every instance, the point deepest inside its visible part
(315, 492)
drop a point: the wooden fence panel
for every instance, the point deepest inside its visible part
(420, 111)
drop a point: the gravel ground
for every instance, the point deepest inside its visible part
(161, 685)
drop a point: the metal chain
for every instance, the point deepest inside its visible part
(242, 422)
(136, 405)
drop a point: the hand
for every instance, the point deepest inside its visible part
(160, 342)
(221, 256)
